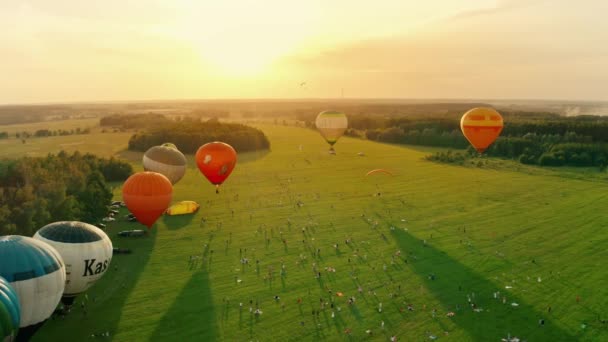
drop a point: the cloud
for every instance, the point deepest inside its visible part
(500, 7)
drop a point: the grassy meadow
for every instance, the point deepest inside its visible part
(436, 236)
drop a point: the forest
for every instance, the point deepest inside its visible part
(35, 191)
(189, 135)
(540, 138)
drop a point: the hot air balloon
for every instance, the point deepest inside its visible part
(147, 195)
(379, 171)
(183, 208)
(481, 126)
(37, 273)
(85, 249)
(332, 125)
(166, 160)
(216, 160)
(10, 311)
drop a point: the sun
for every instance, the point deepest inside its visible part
(244, 38)
(239, 57)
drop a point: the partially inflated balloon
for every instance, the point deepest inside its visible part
(85, 249)
(481, 127)
(166, 160)
(216, 160)
(37, 273)
(10, 311)
(147, 195)
(331, 124)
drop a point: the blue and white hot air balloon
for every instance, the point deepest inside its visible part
(36, 272)
(85, 249)
(10, 311)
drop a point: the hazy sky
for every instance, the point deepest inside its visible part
(64, 51)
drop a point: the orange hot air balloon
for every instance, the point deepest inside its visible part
(147, 195)
(216, 160)
(481, 126)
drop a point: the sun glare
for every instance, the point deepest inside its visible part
(244, 38)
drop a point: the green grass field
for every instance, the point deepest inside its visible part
(538, 239)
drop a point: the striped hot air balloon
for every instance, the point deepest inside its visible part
(166, 160)
(10, 311)
(147, 195)
(37, 273)
(85, 249)
(481, 126)
(332, 125)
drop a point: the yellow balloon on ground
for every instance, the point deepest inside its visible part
(182, 208)
(332, 125)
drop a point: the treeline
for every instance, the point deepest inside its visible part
(45, 133)
(59, 132)
(134, 121)
(37, 191)
(517, 124)
(552, 150)
(532, 138)
(189, 136)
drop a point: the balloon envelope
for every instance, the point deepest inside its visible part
(147, 195)
(331, 124)
(182, 208)
(481, 126)
(37, 273)
(216, 160)
(10, 310)
(166, 160)
(85, 249)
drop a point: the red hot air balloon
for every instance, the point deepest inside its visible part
(147, 195)
(216, 160)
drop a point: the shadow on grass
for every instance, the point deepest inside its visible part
(193, 304)
(177, 221)
(497, 319)
(107, 298)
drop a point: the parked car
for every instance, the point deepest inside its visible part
(121, 251)
(131, 233)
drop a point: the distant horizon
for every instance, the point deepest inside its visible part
(311, 99)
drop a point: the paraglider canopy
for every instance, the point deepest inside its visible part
(331, 124)
(170, 145)
(481, 126)
(147, 195)
(216, 160)
(382, 171)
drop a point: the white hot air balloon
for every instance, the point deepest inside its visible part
(166, 160)
(86, 251)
